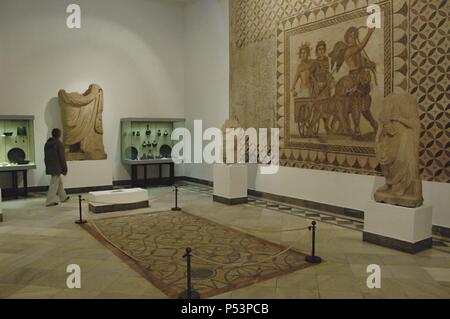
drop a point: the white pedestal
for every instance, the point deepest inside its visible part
(84, 174)
(401, 228)
(118, 200)
(230, 184)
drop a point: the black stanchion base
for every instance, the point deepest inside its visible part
(313, 259)
(184, 295)
(176, 209)
(81, 222)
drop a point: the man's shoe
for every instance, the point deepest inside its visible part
(66, 200)
(52, 204)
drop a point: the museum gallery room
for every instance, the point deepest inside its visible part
(224, 149)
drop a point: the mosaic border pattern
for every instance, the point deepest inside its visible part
(257, 20)
(428, 70)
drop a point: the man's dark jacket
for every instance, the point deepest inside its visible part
(55, 160)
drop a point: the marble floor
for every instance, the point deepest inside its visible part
(38, 243)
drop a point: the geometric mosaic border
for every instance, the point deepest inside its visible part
(429, 73)
(257, 20)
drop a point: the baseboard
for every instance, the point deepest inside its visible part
(294, 201)
(230, 201)
(122, 183)
(44, 189)
(198, 181)
(441, 231)
(7, 193)
(407, 247)
(309, 204)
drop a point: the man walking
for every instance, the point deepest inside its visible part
(55, 164)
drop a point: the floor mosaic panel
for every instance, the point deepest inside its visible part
(224, 259)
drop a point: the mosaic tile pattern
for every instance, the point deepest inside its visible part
(430, 81)
(223, 259)
(257, 20)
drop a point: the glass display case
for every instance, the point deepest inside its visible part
(16, 143)
(146, 140)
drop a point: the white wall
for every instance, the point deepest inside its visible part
(207, 98)
(133, 48)
(207, 69)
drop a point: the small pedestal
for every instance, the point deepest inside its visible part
(230, 184)
(118, 200)
(400, 228)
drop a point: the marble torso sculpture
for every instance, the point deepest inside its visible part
(83, 126)
(398, 152)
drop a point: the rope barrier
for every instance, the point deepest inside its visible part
(189, 293)
(313, 259)
(181, 188)
(81, 221)
(176, 208)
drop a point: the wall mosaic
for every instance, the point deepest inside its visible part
(267, 40)
(430, 81)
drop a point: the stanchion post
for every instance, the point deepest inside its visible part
(189, 293)
(313, 259)
(81, 221)
(176, 208)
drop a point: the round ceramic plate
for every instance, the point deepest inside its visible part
(22, 131)
(16, 155)
(165, 151)
(131, 153)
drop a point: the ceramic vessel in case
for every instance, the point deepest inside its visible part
(152, 137)
(17, 140)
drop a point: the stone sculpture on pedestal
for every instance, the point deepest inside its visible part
(230, 178)
(83, 126)
(397, 150)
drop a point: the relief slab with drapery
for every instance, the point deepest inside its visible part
(83, 124)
